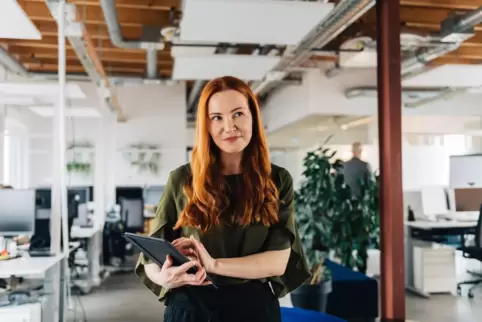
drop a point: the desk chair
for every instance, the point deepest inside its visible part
(475, 252)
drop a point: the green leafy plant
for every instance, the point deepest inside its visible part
(314, 205)
(330, 218)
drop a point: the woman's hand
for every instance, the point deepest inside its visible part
(200, 251)
(176, 276)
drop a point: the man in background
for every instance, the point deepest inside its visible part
(355, 170)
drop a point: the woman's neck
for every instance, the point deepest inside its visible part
(231, 163)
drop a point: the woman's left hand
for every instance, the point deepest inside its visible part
(203, 256)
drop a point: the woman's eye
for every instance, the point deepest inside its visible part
(238, 114)
(216, 118)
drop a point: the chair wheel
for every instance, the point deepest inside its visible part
(470, 295)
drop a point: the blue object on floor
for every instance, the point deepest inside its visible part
(294, 314)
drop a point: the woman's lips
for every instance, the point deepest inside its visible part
(232, 139)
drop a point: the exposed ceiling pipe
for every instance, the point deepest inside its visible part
(342, 16)
(455, 30)
(81, 43)
(151, 45)
(11, 63)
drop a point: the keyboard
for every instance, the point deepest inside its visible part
(40, 252)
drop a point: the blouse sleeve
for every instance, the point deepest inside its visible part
(165, 219)
(284, 235)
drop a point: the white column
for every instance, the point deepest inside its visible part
(2, 141)
(110, 130)
(58, 220)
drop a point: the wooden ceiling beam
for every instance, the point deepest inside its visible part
(443, 4)
(51, 42)
(73, 59)
(50, 53)
(49, 29)
(419, 15)
(38, 11)
(158, 5)
(451, 59)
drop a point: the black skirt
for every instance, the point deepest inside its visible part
(248, 302)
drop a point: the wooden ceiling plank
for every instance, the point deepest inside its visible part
(443, 4)
(71, 59)
(51, 42)
(38, 11)
(46, 52)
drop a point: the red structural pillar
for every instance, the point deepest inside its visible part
(392, 288)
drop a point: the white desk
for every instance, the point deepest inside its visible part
(27, 266)
(444, 225)
(54, 283)
(52, 267)
(92, 235)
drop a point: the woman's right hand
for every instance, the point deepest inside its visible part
(171, 277)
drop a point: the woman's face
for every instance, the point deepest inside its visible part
(230, 121)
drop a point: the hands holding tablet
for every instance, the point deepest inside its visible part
(193, 247)
(176, 276)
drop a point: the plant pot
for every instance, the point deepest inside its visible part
(311, 297)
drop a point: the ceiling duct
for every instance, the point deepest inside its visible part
(454, 31)
(151, 40)
(342, 16)
(86, 52)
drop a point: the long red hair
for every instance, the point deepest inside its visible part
(206, 196)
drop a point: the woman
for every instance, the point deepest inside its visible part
(233, 212)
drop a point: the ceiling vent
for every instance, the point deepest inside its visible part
(358, 53)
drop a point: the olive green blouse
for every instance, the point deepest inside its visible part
(230, 240)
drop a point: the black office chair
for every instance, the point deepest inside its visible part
(475, 252)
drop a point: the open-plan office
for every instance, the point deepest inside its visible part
(99, 104)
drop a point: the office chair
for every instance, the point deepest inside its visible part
(475, 252)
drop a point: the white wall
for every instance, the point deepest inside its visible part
(156, 115)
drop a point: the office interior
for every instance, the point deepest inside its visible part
(98, 104)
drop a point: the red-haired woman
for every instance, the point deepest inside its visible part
(232, 210)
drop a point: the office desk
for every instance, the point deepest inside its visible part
(53, 269)
(428, 228)
(92, 235)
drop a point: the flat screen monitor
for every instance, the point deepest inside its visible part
(17, 212)
(43, 198)
(81, 194)
(128, 193)
(468, 199)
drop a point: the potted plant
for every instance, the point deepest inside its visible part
(354, 221)
(314, 204)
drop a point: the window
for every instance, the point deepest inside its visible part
(457, 143)
(6, 158)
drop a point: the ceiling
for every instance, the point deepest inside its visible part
(41, 55)
(424, 17)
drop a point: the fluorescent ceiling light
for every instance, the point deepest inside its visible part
(40, 89)
(48, 111)
(15, 23)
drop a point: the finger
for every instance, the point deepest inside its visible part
(185, 243)
(167, 262)
(179, 240)
(185, 267)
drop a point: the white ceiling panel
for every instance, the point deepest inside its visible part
(40, 89)
(448, 75)
(245, 67)
(250, 21)
(15, 23)
(48, 111)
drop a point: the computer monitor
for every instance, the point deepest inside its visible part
(128, 193)
(17, 212)
(43, 198)
(82, 194)
(153, 195)
(467, 199)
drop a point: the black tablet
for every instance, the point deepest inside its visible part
(157, 250)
